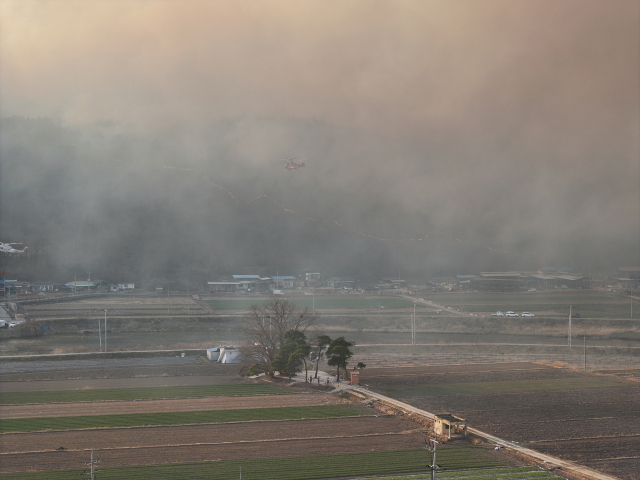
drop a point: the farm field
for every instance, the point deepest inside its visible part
(320, 431)
(552, 303)
(161, 323)
(302, 467)
(174, 418)
(28, 384)
(119, 305)
(320, 302)
(591, 419)
(92, 395)
(118, 372)
(325, 443)
(164, 405)
(504, 473)
(549, 303)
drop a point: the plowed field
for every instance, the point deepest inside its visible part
(143, 446)
(168, 405)
(591, 419)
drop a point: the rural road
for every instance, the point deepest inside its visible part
(430, 304)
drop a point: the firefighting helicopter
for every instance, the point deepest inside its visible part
(292, 165)
(7, 248)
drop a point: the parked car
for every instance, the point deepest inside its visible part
(497, 314)
(13, 324)
(575, 315)
(527, 314)
(531, 290)
(511, 314)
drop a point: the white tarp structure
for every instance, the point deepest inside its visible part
(229, 355)
(213, 354)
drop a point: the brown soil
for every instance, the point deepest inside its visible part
(169, 405)
(595, 427)
(134, 382)
(157, 445)
(112, 372)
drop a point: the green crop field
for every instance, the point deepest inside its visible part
(504, 473)
(588, 303)
(320, 303)
(290, 468)
(471, 388)
(564, 296)
(175, 418)
(147, 393)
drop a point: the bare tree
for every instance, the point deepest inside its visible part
(265, 325)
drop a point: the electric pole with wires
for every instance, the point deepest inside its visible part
(431, 445)
(93, 471)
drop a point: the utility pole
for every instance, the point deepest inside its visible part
(413, 325)
(105, 330)
(569, 326)
(584, 338)
(100, 332)
(433, 467)
(93, 470)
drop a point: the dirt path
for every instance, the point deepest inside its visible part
(168, 405)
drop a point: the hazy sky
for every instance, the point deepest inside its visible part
(443, 104)
(400, 67)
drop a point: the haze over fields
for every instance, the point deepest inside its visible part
(149, 137)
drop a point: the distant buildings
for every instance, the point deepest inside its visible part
(258, 284)
(544, 278)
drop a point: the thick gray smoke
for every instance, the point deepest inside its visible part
(438, 137)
